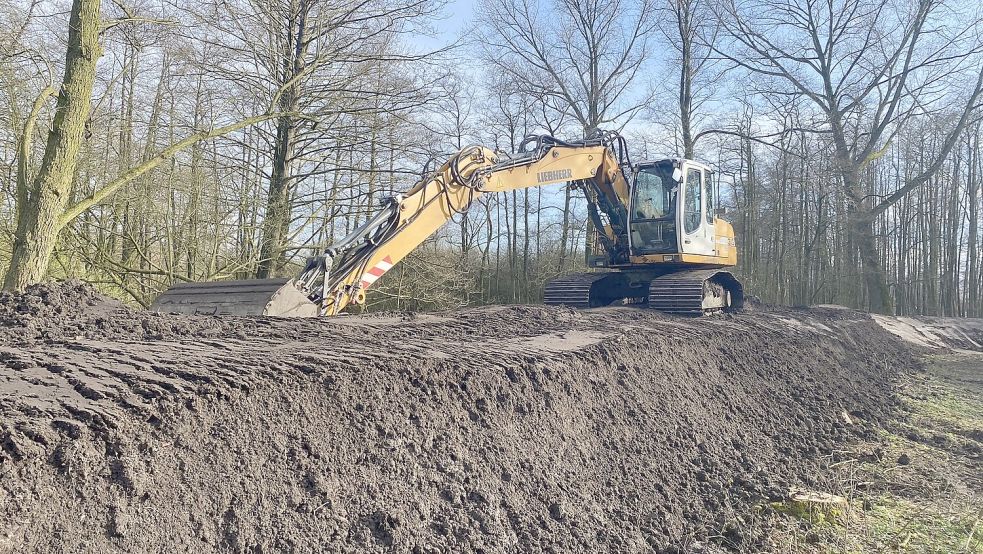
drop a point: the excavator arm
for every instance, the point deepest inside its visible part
(342, 275)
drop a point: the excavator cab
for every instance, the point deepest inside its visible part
(672, 209)
(652, 217)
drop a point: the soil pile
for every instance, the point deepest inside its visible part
(493, 429)
(76, 310)
(935, 333)
(62, 308)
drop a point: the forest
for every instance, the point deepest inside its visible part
(144, 144)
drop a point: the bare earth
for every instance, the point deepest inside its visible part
(498, 429)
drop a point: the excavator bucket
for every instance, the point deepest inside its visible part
(253, 297)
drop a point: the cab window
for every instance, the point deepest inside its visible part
(654, 189)
(693, 214)
(653, 209)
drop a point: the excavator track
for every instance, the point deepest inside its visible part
(696, 292)
(593, 290)
(573, 290)
(691, 293)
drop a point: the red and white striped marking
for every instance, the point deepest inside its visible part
(373, 274)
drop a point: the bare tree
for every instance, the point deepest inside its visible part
(689, 30)
(43, 203)
(584, 56)
(334, 62)
(869, 67)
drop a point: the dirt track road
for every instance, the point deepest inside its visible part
(495, 429)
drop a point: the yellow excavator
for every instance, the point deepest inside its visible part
(660, 241)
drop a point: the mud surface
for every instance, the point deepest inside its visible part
(496, 429)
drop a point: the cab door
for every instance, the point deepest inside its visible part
(697, 227)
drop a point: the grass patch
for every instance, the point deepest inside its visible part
(944, 397)
(899, 525)
(918, 487)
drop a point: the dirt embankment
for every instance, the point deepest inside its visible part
(936, 333)
(494, 429)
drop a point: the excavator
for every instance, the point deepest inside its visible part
(659, 241)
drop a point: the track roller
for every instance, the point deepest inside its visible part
(696, 292)
(592, 290)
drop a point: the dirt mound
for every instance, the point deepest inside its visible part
(935, 333)
(31, 313)
(497, 429)
(70, 310)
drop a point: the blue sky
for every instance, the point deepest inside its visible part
(454, 19)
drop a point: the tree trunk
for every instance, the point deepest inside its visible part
(525, 247)
(860, 235)
(37, 230)
(276, 223)
(973, 308)
(861, 228)
(564, 231)
(684, 23)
